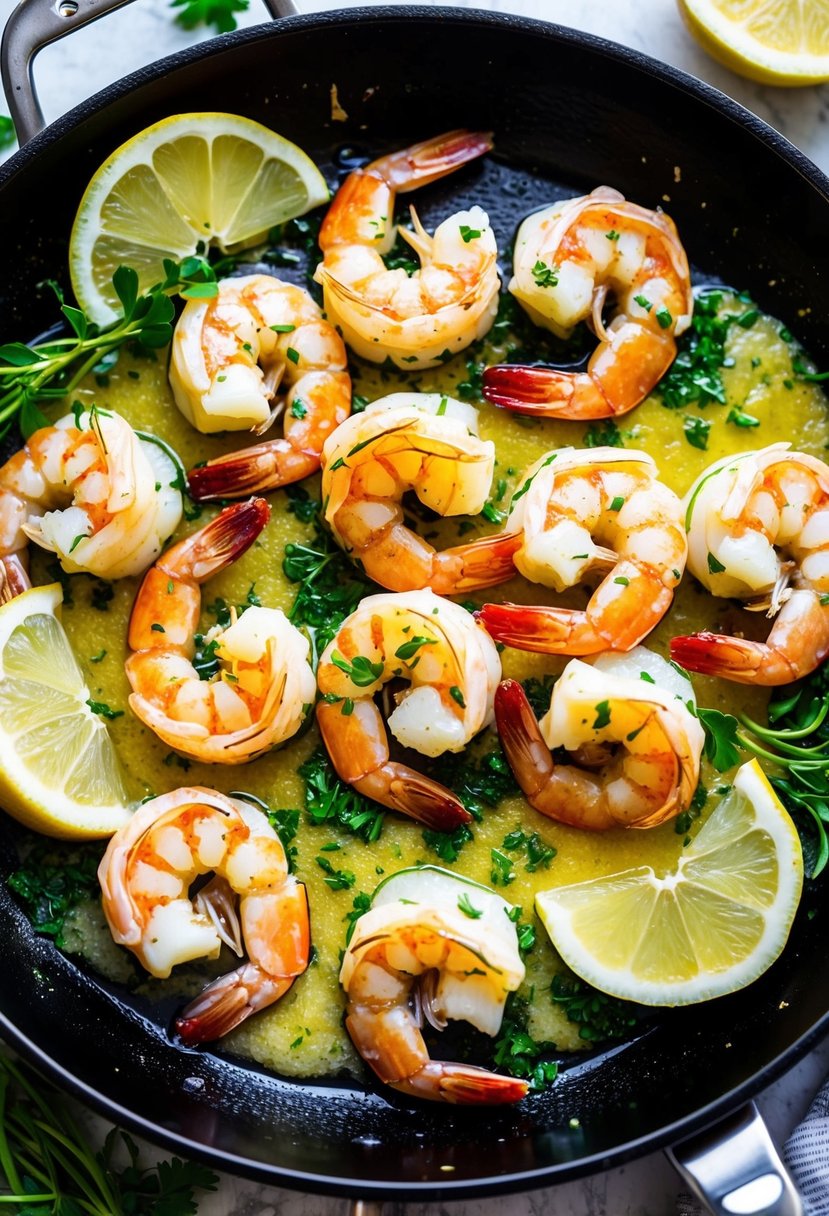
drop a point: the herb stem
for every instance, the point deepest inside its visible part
(775, 735)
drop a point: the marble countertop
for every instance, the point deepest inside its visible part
(73, 69)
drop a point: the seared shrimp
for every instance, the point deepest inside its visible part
(264, 685)
(417, 954)
(146, 874)
(636, 746)
(415, 320)
(568, 259)
(231, 356)
(428, 444)
(579, 512)
(758, 531)
(452, 668)
(93, 492)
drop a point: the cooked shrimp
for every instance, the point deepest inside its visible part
(580, 512)
(264, 686)
(636, 747)
(428, 444)
(568, 259)
(424, 957)
(758, 531)
(231, 356)
(100, 497)
(146, 874)
(416, 320)
(452, 668)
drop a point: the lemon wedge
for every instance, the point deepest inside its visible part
(58, 770)
(712, 926)
(783, 42)
(187, 181)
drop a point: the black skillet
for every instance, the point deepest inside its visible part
(569, 112)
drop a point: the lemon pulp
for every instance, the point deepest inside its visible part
(185, 182)
(60, 774)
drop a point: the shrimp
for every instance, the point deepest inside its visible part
(419, 955)
(635, 744)
(232, 354)
(758, 531)
(429, 444)
(452, 668)
(570, 500)
(101, 497)
(568, 259)
(145, 876)
(418, 320)
(264, 686)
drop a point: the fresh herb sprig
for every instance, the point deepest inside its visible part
(49, 1168)
(330, 800)
(220, 15)
(49, 884)
(53, 369)
(600, 1018)
(795, 740)
(330, 586)
(695, 375)
(518, 1052)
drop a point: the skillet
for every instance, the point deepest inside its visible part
(569, 111)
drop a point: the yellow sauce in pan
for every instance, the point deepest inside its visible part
(302, 1035)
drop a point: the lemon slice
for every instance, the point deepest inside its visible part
(212, 179)
(58, 770)
(784, 42)
(712, 926)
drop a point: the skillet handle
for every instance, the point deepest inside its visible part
(735, 1169)
(32, 26)
(36, 23)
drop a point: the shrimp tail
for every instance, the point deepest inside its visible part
(544, 630)
(256, 469)
(483, 563)
(528, 755)
(226, 537)
(402, 789)
(525, 389)
(737, 659)
(13, 577)
(462, 1085)
(228, 1002)
(432, 159)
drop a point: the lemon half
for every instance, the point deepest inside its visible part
(58, 770)
(192, 179)
(783, 42)
(712, 926)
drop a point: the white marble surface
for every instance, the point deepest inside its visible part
(73, 69)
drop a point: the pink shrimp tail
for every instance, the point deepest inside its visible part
(432, 159)
(228, 1002)
(527, 753)
(542, 630)
(524, 389)
(462, 1085)
(14, 579)
(483, 563)
(240, 473)
(737, 659)
(227, 537)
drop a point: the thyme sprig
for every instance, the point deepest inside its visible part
(53, 369)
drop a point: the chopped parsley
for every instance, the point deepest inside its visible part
(468, 908)
(544, 275)
(518, 1052)
(600, 1018)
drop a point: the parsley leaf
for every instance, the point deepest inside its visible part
(218, 14)
(721, 740)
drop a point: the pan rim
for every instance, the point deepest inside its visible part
(557, 1172)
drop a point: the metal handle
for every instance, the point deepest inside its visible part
(735, 1169)
(31, 27)
(36, 23)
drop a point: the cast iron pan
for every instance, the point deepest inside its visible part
(569, 112)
